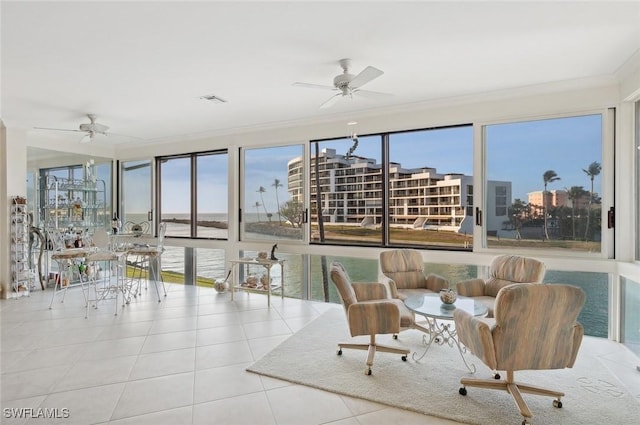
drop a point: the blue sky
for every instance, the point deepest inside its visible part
(516, 152)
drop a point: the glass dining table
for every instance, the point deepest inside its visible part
(440, 329)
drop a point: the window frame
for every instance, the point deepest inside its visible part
(607, 183)
(193, 188)
(385, 140)
(242, 209)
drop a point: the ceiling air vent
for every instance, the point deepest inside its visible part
(213, 98)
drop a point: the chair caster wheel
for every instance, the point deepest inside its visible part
(404, 358)
(395, 336)
(526, 422)
(367, 371)
(339, 352)
(462, 391)
(496, 376)
(557, 403)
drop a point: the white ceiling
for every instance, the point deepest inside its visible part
(141, 66)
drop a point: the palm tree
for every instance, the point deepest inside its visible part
(277, 184)
(262, 190)
(574, 194)
(258, 205)
(549, 176)
(517, 213)
(592, 171)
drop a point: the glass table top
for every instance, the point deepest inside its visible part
(429, 304)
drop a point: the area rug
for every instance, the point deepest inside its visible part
(430, 386)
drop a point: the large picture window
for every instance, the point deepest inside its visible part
(193, 194)
(544, 184)
(347, 190)
(420, 194)
(431, 187)
(273, 193)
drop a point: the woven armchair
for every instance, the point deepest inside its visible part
(370, 312)
(504, 270)
(535, 328)
(404, 273)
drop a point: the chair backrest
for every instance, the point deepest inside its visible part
(404, 267)
(136, 228)
(56, 238)
(536, 326)
(100, 239)
(508, 269)
(161, 232)
(342, 281)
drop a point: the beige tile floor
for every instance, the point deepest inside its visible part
(181, 361)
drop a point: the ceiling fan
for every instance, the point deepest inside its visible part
(347, 84)
(92, 129)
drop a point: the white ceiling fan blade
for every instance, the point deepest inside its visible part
(86, 138)
(368, 74)
(57, 129)
(314, 86)
(371, 94)
(331, 101)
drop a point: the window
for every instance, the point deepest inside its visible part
(637, 168)
(594, 316)
(544, 184)
(175, 195)
(430, 187)
(347, 190)
(630, 317)
(273, 193)
(136, 194)
(421, 196)
(193, 194)
(212, 188)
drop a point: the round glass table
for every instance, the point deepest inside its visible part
(439, 317)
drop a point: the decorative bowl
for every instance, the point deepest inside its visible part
(221, 286)
(448, 296)
(262, 255)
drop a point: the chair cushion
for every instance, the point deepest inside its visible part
(404, 267)
(343, 284)
(535, 326)
(508, 269)
(516, 268)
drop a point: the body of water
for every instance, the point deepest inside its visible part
(211, 263)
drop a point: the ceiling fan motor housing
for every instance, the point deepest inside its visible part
(341, 82)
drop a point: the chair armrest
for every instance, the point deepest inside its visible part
(368, 291)
(435, 282)
(393, 288)
(476, 335)
(375, 317)
(578, 333)
(470, 288)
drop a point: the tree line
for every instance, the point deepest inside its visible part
(576, 222)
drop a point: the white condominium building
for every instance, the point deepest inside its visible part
(352, 190)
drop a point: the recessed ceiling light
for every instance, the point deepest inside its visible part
(213, 98)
